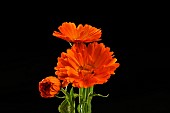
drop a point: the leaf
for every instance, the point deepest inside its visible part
(62, 106)
(60, 97)
(78, 108)
(71, 94)
(76, 95)
(65, 107)
(99, 95)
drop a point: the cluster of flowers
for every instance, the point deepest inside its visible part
(85, 64)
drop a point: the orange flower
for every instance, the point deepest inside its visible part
(49, 87)
(70, 33)
(84, 66)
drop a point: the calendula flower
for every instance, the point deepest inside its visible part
(49, 87)
(84, 66)
(71, 33)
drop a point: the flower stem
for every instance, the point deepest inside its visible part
(85, 100)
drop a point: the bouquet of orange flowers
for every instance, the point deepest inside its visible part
(85, 64)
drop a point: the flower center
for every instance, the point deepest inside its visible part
(86, 69)
(47, 86)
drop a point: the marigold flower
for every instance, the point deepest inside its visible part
(70, 33)
(84, 66)
(49, 87)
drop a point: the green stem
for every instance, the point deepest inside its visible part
(85, 100)
(89, 99)
(81, 100)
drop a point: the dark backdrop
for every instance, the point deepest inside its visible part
(29, 53)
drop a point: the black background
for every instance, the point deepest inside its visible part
(137, 36)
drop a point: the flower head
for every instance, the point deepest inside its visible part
(84, 66)
(70, 33)
(49, 87)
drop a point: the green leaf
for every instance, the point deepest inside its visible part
(71, 93)
(65, 107)
(60, 97)
(65, 92)
(99, 95)
(76, 95)
(67, 95)
(78, 108)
